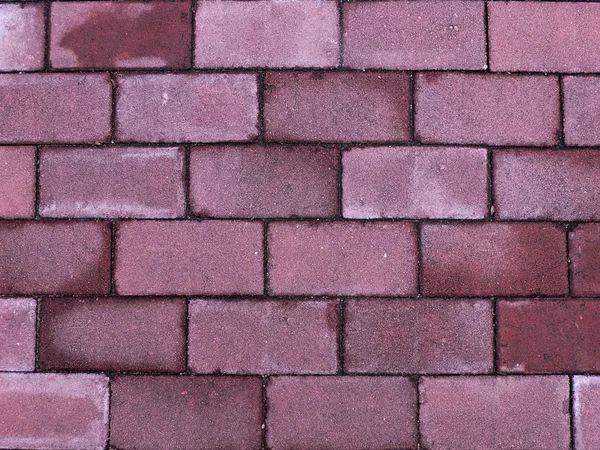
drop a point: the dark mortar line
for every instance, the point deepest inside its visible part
(340, 8)
(109, 425)
(113, 106)
(411, 108)
(186, 182)
(341, 336)
(194, 6)
(417, 382)
(264, 413)
(491, 208)
(571, 413)
(113, 247)
(568, 229)
(260, 137)
(419, 260)
(265, 249)
(186, 336)
(46, 36)
(495, 330)
(561, 114)
(36, 200)
(38, 318)
(340, 182)
(486, 19)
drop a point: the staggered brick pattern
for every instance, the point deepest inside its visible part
(299, 224)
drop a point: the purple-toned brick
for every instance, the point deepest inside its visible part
(263, 181)
(55, 108)
(176, 412)
(112, 182)
(189, 257)
(415, 182)
(342, 258)
(133, 334)
(581, 101)
(17, 334)
(267, 34)
(54, 258)
(495, 412)
(586, 412)
(414, 35)
(336, 107)
(418, 336)
(584, 254)
(246, 336)
(187, 107)
(486, 109)
(493, 259)
(21, 37)
(17, 182)
(53, 411)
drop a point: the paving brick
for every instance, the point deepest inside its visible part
(177, 412)
(342, 258)
(133, 334)
(532, 36)
(493, 259)
(418, 336)
(21, 37)
(53, 411)
(54, 257)
(267, 34)
(584, 254)
(419, 35)
(586, 412)
(112, 182)
(187, 107)
(336, 107)
(132, 34)
(17, 334)
(189, 257)
(280, 336)
(415, 182)
(494, 109)
(55, 108)
(17, 182)
(581, 101)
(495, 412)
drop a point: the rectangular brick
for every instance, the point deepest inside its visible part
(263, 181)
(54, 258)
(133, 334)
(494, 109)
(189, 257)
(495, 412)
(341, 412)
(17, 182)
(584, 254)
(187, 107)
(53, 411)
(418, 336)
(280, 336)
(414, 35)
(581, 102)
(17, 334)
(176, 412)
(267, 34)
(586, 412)
(21, 37)
(342, 258)
(493, 259)
(55, 108)
(112, 182)
(336, 107)
(132, 34)
(415, 182)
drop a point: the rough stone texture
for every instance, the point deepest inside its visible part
(584, 254)
(21, 37)
(17, 334)
(581, 102)
(586, 411)
(17, 182)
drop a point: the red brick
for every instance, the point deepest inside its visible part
(487, 109)
(17, 182)
(189, 257)
(17, 333)
(55, 108)
(53, 411)
(493, 259)
(342, 258)
(267, 34)
(112, 182)
(495, 412)
(544, 37)
(584, 254)
(419, 35)
(187, 107)
(134, 334)
(263, 181)
(581, 100)
(418, 336)
(109, 34)
(415, 182)
(54, 258)
(336, 107)
(21, 37)
(245, 336)
(586, 412)
(176, 412)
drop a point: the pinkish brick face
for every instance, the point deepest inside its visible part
(17, 334)
(21, 37)
(17, 182)
(581, 98)
(586, 410)
(584, 253)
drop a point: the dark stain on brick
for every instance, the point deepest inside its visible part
(332, 316)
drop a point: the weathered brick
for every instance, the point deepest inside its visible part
(414, 35)
(189, 257)
(486, 109)
(187, 107)
(586, 412)
(17, 182)
(584, 254)
(53, 411)
(17, 334)
(336, 107)
(54, 258)
(267, 34)
(495, 412)
(21, 37)
(581, 101)
(176, 412)
(112, 182)
(133, 334)
(342, 258)
(493, 259)
(415, 182)
(280, 336)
